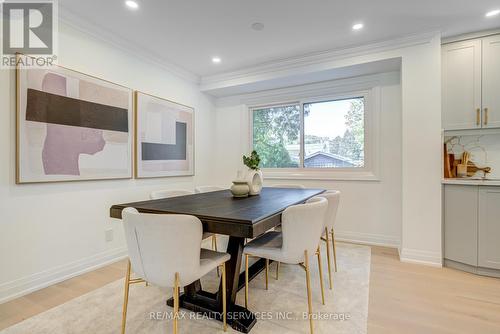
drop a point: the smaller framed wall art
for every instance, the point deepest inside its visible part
(71, 126)
(164, 143)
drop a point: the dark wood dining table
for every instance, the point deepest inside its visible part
(239, 218)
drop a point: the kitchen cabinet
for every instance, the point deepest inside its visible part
(471, 84)
(461, 223)
(491, 81)
(461, 85)
(472, 228)
(489, 227)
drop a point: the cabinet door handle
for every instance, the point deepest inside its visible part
(485, 116)
(478, 116)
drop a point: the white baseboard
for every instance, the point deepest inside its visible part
(28, 284)
(368, 238)
(433, 259)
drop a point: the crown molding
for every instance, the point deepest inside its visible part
(472, 35)
(97, 32)
(316, 58)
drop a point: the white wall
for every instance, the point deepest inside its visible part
(422, 162)
(420, 191)
(52, 231)
(371, 210)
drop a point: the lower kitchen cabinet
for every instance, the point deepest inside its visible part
(472, 228)
(460, 227)
(489, 227)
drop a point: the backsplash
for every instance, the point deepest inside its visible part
(484, 150)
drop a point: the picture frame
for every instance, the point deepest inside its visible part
(164, 137)
(71, 126)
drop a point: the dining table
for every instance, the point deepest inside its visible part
(238, 218)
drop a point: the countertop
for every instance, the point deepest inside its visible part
(472, 182)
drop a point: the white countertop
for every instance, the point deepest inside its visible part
(472, 182)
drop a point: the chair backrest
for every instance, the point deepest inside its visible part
(157, 251)
(169, 193)
(302, 227)
(333, 197)
(289, 185)
(207, 189)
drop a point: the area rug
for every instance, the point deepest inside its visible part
(279, 309)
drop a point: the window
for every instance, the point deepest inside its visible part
(328, 134)
(334, 133)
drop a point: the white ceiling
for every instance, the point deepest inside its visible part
(188, 33)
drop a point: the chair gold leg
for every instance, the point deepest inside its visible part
(328, 259)
(224, 311)
(246, 280)
(334, 250)
(214, 248)
(176, 303)
(320, 267)
(125, 297)
(309, 297)
(277, 269)
(267, 274)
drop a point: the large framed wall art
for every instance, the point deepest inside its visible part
(164, 137)
(71, 126)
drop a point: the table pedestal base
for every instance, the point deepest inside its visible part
(205, 303)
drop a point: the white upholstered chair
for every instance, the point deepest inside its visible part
(290, 185)
(302, 227)
(278, 228)
(333, 197)
(160, 194)
(158, 256)
(207, 189)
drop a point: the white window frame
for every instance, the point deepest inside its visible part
(370, 170)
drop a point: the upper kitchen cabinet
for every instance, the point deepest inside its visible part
(491, 82)
(461, 66)
(471, 84)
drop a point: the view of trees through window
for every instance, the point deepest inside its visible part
(333, 134)
(275, 131)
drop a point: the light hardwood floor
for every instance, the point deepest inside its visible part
(408, 298)
(404, 298)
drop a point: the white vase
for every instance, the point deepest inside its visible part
(254, 180)
(240, 189)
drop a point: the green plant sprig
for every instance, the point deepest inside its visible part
(252, 161)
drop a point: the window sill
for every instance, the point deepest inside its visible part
(324, 175)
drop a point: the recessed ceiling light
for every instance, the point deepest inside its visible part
(357, 26)
(493, 13)
(216, 60)
(257, 26)
(132, 4)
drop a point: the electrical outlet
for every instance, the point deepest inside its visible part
(109, 235)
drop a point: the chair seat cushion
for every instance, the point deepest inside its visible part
(266, 246)
(207, 235)
(210, 260)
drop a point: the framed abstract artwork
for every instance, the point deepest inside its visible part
(71, 126)
(164, 142)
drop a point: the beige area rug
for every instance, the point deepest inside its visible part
(280, 308)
